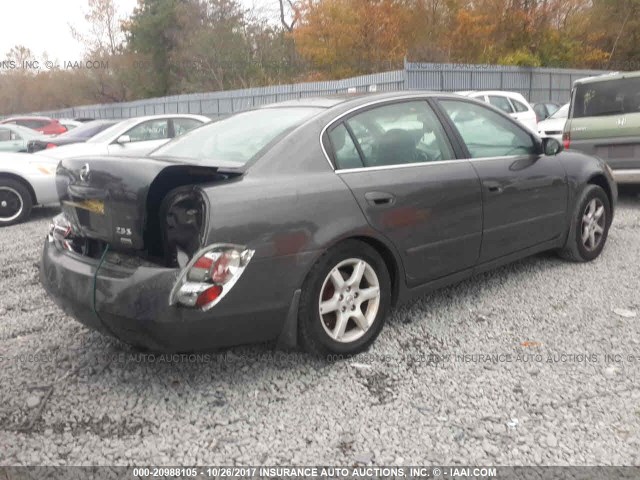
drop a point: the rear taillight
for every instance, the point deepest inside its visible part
(566, 140)
(61, 233)
(210, 274)
(51, 145)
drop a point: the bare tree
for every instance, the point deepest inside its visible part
(288, 25)
(105, 33)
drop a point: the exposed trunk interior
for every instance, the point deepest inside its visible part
(146, 210)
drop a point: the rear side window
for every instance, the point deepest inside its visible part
(32, 123)
(501, 103)
(345, 151)
(610, 97)
(519, 106)
(401, 133)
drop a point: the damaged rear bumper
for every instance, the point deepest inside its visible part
(132, 304)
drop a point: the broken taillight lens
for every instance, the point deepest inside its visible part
(210, 274)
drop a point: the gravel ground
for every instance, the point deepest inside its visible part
(421, 395)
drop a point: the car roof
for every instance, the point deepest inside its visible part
(606, 77)
(27, 117)
(504, 93)
(356, 99)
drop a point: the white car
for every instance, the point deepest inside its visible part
(135, 136)
(554, 125)
(509, 102)
(26, 180)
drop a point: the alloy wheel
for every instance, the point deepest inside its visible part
(593, 224)
(349, 300)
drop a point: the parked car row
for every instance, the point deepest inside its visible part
(45, 125)
(27, 180)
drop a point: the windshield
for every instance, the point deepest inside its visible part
(563, 112)
(88, 130)
(238, 138)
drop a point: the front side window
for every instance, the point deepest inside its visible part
(183, 125)
(501, 103)
(487, 133)
(401, 133)
(150, 130)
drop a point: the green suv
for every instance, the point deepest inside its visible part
(604, 120)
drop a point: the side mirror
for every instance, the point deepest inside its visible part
(551, 146)
(123, 139)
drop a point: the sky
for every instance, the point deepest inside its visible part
(44, 25)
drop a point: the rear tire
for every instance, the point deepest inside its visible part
(15, 202)
(345, 301)
(589, 226)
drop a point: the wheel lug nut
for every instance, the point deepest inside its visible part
(348, 289)
(353, 307)
(343, 309)
(355, 295)
(341, 297)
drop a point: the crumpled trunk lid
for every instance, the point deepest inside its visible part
(112, 199)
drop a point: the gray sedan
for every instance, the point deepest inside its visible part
(306, 222)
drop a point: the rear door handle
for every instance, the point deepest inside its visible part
(380, 199)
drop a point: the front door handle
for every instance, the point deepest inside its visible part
(494, 187)
(380, 199)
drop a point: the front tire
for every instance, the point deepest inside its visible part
(589, 226)
(345, 301)
(15, 202)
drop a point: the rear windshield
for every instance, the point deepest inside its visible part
(88, 130)
(610, 97)
(236, 139)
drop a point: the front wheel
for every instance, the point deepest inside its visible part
(345, 300)
(589, 226)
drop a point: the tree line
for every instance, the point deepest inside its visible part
(171, 47)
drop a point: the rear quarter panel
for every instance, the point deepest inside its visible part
(289, 207)
(581, 170)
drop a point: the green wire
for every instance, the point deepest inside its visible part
(95, 278)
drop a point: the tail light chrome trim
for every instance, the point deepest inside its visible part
(194, 281)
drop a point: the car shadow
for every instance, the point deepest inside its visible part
(40, 213)
(109, 357)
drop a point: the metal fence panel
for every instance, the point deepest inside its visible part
(536, 84)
